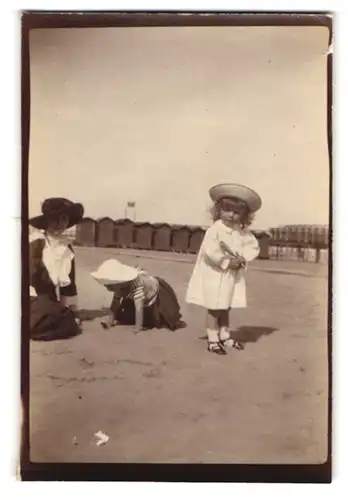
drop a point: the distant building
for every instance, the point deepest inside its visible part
(105, 232)
(143, 235)
(263, 238)
(302, 234)
(180, 238)
(86, 232)
(196, 238)
(162, 232)
(123, 233)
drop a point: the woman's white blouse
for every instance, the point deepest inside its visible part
(57, 258)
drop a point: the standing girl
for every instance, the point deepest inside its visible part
(217, 282)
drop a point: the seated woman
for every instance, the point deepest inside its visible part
(52, 286)
(138, 298)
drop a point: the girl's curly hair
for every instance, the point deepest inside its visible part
(246, 220)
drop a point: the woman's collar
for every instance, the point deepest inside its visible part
(37, 235)
(56, 240)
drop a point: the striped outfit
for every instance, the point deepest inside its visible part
(161, 306)
(145, 289)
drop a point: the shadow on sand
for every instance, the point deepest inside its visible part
(248, 334)
(90, 314)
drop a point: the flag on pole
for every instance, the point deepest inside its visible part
(131, 204)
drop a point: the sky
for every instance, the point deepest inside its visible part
(159, 115)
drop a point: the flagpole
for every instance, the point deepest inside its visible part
(130, 204)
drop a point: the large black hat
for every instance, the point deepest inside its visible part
(54, 207)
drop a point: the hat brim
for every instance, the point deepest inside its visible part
(102, 280)
(75, 213)
(250, 197)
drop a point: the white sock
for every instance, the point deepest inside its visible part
(224, 333)
(213, 335)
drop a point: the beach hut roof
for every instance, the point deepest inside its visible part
(100, 219)
(88, 219)
(300, 226)
(142, 224)
(160, 224)
(122, 221)
(179, 226)
(262, 232)
(198, 228)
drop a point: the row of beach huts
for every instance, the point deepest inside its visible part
(124, 233)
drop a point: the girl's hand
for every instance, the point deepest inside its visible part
(236, 263)
(78, 322)
(243, 262)
(110, 323)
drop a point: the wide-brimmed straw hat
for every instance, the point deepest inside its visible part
(113, 272)
(54, 207)
(249, 196)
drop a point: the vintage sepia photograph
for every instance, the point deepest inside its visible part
(176, 244)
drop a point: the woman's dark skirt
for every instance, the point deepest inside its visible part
(50, 320)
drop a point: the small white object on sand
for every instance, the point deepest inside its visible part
(102, 438)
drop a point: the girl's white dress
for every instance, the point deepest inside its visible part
(212, 284)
